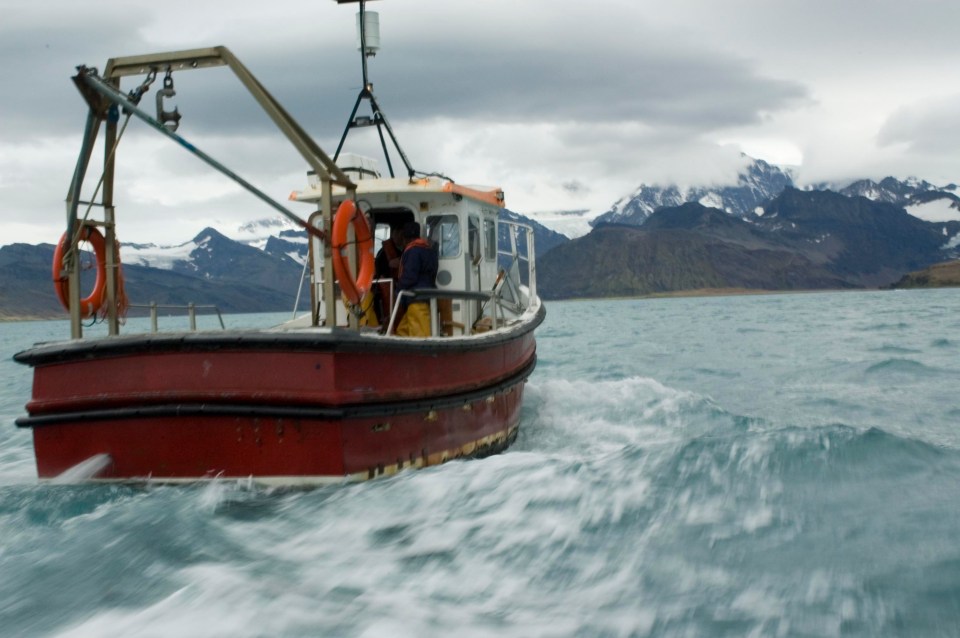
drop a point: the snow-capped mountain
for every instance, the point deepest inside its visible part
(162, 257)
(892, 190)
(292, 243)
(568, 223)
(213, 256)
(277, 237)
(806, 239)
(761, 182)
(919, 197)
(274, 235)
(757, 184)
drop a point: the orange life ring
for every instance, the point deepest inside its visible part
(353, 288)
(90, 304)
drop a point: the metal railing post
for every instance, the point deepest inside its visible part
(531, 265)
(192, 312)
(396, 309)
(153, 316)
(434, 323)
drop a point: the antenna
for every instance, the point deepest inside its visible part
(368, 38)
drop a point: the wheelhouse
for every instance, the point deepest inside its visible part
(461, 223)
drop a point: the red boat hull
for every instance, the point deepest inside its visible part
(162, 370)
(286, 449)
(282, 407)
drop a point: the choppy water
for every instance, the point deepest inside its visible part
(776, 465)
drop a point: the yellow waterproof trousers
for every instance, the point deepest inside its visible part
(369, 316)
(416, 321)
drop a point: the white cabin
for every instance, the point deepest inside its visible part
(460, 221)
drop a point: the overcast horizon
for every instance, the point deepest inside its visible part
(564, 109)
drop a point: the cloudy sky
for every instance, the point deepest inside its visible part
(565, 105)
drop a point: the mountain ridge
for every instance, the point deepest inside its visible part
(756, 184)
(760, 182)
(803, 240)
(256, 273)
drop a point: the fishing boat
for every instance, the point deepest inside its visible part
(335, 395)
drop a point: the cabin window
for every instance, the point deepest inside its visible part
(444, 232)
(490, 230)
(473, 239)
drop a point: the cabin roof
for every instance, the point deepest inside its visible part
(491, 195)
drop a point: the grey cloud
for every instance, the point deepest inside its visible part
(625, 89)
(574, 186)
(39, 58)
(694, 91)
(929, 127)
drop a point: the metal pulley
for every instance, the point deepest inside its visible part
(169, 119)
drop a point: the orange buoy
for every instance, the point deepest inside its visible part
(353, 288)
(90, 304)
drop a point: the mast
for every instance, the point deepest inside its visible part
(378, 118)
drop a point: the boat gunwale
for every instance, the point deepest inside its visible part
(270, 339)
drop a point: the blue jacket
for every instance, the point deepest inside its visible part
(418, 266)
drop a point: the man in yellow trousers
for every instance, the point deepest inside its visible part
(418, 269)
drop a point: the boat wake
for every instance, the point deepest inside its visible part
(85, 470)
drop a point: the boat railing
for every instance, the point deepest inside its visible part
(434, 295)
(191, 309)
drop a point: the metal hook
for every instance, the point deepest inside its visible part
(169, 119)
(135, 95)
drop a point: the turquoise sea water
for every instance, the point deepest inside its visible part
(784, 465)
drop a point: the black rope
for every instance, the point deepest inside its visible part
(440, 175)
